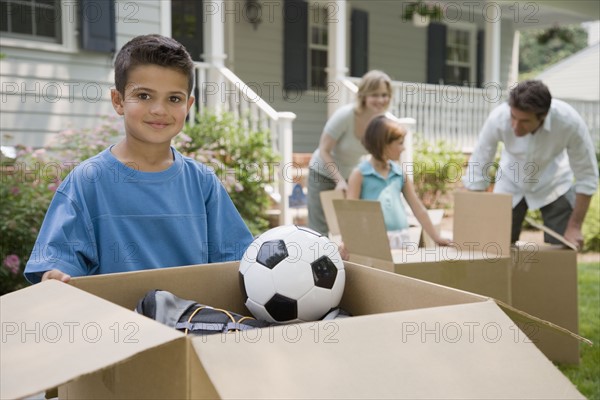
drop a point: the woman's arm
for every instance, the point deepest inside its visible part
(326, 146)
(421, 214)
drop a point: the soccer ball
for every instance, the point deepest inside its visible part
(291, 274)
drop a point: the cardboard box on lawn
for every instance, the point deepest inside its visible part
(478, 262)
(544, 283)
(540, 280)
(417, 235)
(408, 339)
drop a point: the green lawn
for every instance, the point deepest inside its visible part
(586, 376)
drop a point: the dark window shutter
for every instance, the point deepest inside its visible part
(436, 53)
(359, 37)
(480, 55)
(97, 22)
(295, 45)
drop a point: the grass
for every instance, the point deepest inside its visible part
(586, 376)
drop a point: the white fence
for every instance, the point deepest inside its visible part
(457, 113)
(220, 90)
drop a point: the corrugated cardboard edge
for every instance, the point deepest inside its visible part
(551, 232)
(510, 310)
(53, 288)
(327, 198)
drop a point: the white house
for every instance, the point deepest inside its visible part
(56, 71)
(575, 77)
(257, 57)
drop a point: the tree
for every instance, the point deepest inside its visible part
(540, 48)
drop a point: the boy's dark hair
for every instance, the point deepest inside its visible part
(152, 50)
(380, 132)
(531, 96)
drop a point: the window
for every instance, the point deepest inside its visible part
(317, 47)
(38, 20)
(186, 22)
(460, 57)
(455, 54)
(305, 44)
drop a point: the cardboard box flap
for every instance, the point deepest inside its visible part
(327, 197)
(482, 221)
(551, 232)
(362, 282)
(363, 228)
(127, 288)
(526, 318)
(53, 333)
(460, 351)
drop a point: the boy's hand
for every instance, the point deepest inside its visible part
(56, 274)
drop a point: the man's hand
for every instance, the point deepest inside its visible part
(574, 235)
(56, 274)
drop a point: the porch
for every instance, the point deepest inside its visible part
(454, 114)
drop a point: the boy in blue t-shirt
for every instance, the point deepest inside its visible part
(140, 204)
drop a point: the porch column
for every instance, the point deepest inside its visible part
(336, 53)
(513, 74)
(492, 45)
(165, 18)
(214, 43)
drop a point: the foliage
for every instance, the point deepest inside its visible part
(244, 161)
(28, 184)
(437, 168)
(586, 375)
(540, 48)
(24, 198)
(425, 9)
(591, 224)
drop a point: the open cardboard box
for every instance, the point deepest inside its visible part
(418, 237)
(408, 339)
(479, 261)
(541, 280)
(544, 283)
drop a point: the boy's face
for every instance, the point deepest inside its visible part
(154, 105)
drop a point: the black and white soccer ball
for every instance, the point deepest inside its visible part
(291, 274)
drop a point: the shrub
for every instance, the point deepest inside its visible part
(438, 167)
(591, 224)
(244, 161)
(28, 184)
(24, 198)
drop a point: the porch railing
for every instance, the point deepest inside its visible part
(220, 90)
(456, 113)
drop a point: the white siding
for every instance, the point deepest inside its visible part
(44, 92)
(576, 77)
(395, 46)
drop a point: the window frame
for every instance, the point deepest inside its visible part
(471, 29)
(68, 31)
(323, 9)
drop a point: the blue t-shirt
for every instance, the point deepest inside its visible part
(107, 217)
(387, 191)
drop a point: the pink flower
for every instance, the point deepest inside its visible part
(15, 190)
(12, 263)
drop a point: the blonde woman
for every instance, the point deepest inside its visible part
(340, 148)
